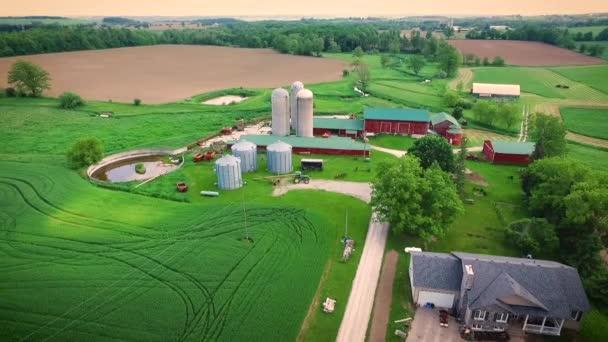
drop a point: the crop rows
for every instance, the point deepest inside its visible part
(192, 274)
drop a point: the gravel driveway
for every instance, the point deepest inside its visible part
(425, 328)
(362, 191)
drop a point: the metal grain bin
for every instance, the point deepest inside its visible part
(280, 112)
(293, 109)
(228, 171)
(305, 112)
(279, 158)
(247, 152)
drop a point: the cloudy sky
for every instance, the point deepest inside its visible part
(296, 8)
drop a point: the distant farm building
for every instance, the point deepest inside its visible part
(500, 27)
(508, 152)
(489, 90)
(448, 127)
(351, 128)
(396, 121)
(332, 145)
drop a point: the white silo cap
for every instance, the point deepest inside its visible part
(243, 145)
(279, 146)
(305, 94)
(227, 160)
(280, 92)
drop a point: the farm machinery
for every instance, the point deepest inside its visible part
(301, 178)
(182, 187)
(298, 178)
(208, 156)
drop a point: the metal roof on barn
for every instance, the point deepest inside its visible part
(496, 89)
(332, 123)
(513, 147)
(396, 114)
(332, 143)
(443, 116)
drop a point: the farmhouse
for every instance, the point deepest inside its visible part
(331, 145)
(396, 121)
(494, 293)
(496, 90)
(508, 152)
(448, 127)
(351, 128)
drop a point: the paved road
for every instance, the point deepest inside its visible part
(361, 299)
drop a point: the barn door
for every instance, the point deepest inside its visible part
(403, 128)
(385, 127)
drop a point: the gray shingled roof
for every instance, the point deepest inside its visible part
(436, 271)
(554, 288)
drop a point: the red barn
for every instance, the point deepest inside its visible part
(351, 128)
(508, 152)
(396, 121)
(448, 127)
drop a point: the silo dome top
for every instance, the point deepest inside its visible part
(280, 92)
(305, 94)
(244, 145)
(297, 84)
(279, 146)
(227, 160)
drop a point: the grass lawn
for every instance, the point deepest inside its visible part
(395, 142)
(594, 76)
(542, 81)
(587, 121)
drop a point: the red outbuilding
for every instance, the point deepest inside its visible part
(508, 152)
(448, 127)
(396, 121)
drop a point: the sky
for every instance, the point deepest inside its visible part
(341, 8)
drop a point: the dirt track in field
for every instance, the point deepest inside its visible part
(523, 53)
(166, 73)
(465, 77)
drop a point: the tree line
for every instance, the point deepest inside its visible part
(301, 38)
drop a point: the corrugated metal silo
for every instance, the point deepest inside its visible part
(280, 112)
(305, 109)
(228, 171)
(295, 88)
(279, 158)
(247, 152)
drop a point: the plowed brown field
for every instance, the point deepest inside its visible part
(523, 53)
(166, 73)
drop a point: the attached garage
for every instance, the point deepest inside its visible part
(439, 299)
(435, 278)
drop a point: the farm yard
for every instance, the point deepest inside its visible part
(523, 53)
(118, 74)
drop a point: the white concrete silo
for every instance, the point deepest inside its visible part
(280, 112)
(279, 158)
(247, 152)
(228, 171)
(305, 112)
(293, 108)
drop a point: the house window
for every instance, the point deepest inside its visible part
(576, 315)
(501, 317)
(479, 315)
(499, 329)
(477, 327)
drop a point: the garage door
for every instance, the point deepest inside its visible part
(442, 300)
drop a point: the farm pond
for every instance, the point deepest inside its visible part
(137, 168)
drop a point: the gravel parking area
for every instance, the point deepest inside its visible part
(425, 328)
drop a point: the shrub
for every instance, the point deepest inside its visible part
(10, 92)
(457, 113)
(137, 102)
(442, 74)
(85, 152)
(69, 100)
(345, 73)
(498, 61)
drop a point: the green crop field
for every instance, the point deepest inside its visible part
(587, 121)
(543, 81)
(593, 76)
(584, 29)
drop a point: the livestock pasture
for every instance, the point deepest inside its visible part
(523, 52)
(165, 73)
(541, 81)
(587, 121)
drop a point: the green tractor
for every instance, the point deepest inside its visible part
(300, 178)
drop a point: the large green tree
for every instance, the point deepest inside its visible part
(85, 152)
(549, 132)
(28, 78)
(413, 200)
(433, 149)
(449, 58)
(533, 236)
(416, 63)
